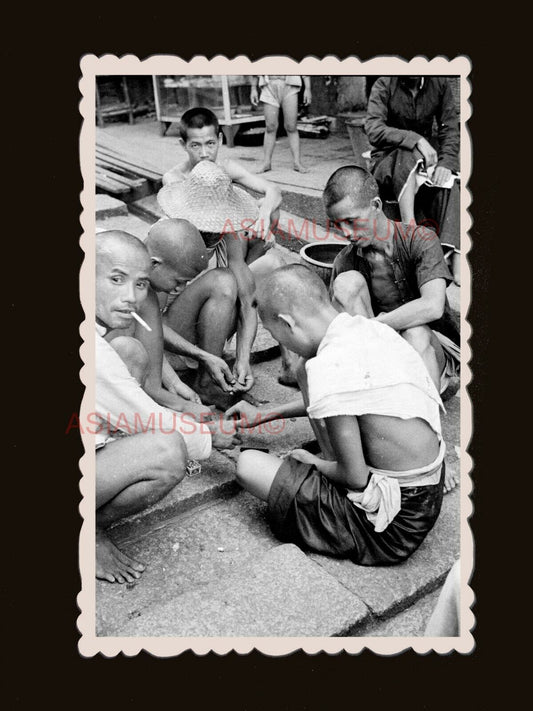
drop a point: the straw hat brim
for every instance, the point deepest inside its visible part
(232, 213)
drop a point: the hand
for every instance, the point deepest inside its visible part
(243, 375)
(428, 153)
(262, 226)
(302, 455)
(307, 97)
(178, 387)
(441, 176)
(220, 373)
(223, 438)
(244, 415)
(254, 98)
(201, 413)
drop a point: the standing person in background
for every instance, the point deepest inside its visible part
(280, 92)
(409, 164)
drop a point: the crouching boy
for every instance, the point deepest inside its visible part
(376, 490)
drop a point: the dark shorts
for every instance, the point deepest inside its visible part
(307, 509)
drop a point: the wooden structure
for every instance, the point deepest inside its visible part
(115, 96)
(122, 176)
(228, 96)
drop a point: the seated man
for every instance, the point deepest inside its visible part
(132, 472)
(407, 167)
(201, 137)
(225, 215)
(378, 492)
(199, 310)
(392, 270)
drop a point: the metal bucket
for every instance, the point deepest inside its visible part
(320, 257)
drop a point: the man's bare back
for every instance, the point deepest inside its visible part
(395, 444)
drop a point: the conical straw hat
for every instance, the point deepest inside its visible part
(209, 200)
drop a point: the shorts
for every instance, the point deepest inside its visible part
(276, 91)
(306, 508)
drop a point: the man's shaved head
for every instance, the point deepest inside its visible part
(177, 244)
(289, 289)
(350, 181)
(294, 306)
(115, 242)
(122, 268)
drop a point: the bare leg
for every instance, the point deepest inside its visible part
(290, 114)
(444, 621)
(256, 472)
(406, 202)
(134, 355)
(204, 313)
(271, 114)
(351, 295)
(131, 474)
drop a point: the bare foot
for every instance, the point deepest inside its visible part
(265, 168)
(450, 481)
(299, 168)
(287, 377)
(112, 565)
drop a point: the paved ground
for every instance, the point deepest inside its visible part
(214, 568)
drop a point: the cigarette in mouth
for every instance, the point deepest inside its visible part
(140, 320)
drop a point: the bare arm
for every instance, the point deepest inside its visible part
(427, 308)
(153, 344)
(345, 437)
(246, 415)
(272, 194)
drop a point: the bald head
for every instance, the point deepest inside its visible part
(290, 289)
(177, 244)
(117, 243)
(122, 266)
(350, 181)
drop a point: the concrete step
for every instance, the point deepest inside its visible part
(218, 571)
(215, 482)
(127, 223)
(411, 622)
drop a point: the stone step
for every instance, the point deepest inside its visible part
(127, 223)
(411, 622)
(107, 206)
(218, 571)
(215, 482)
(280, 594)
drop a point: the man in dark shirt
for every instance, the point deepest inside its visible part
(393, 272)
(400, 116)
(396, 270)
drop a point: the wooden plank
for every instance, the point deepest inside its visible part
(118, 159)
(123, 180)
(110, 186)
(107, 165)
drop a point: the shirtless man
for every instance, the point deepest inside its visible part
(201, 137)
(376, 491)
(135, 471)
(199, 310)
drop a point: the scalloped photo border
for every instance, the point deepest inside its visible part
(89, 643)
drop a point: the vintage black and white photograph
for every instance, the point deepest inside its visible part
(275, 418)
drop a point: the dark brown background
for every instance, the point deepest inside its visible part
(42, 257)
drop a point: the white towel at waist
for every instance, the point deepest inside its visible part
(381, 499)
